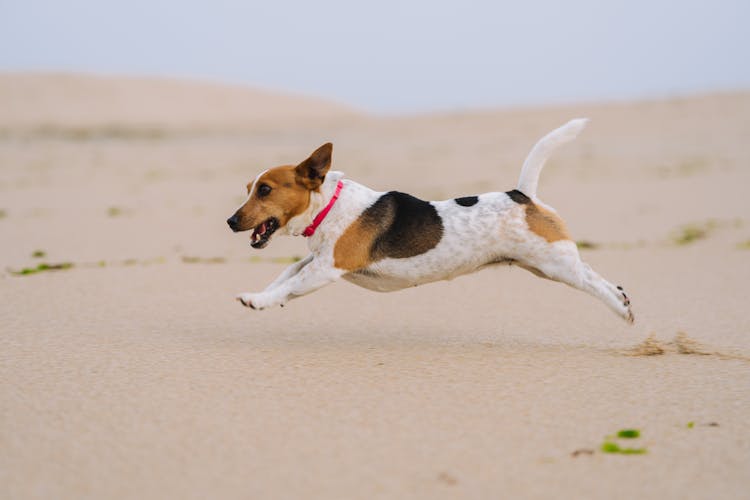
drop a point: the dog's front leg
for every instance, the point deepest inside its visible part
(289, 272)
(311, 277)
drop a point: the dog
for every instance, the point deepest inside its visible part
(387, 241)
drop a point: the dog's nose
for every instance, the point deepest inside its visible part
(233, 222)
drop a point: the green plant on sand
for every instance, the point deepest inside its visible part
(610, 446)
(42, 268)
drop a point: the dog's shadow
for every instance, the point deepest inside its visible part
(392, 338)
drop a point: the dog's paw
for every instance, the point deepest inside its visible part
(249, 300)
(257, 301)
(628, 313)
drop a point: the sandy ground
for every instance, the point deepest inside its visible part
(134, 374)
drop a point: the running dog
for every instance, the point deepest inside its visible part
(389, 241)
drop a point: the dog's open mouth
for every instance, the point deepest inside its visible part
(262, 232)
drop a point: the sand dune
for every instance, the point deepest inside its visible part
(127, 370)
(35, 100)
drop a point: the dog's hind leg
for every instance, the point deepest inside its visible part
(613, 296)
(560, 261)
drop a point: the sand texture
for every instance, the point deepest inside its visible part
(131, 372)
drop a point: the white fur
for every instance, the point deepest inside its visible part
(493, 231)
(532, 167)
(252, 188)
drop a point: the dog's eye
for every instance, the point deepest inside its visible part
(264, 190)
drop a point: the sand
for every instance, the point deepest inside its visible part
(135, 374)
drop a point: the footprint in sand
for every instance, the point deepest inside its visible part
(682, 344)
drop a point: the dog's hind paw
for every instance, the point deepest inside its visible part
(628, 314)
(630, 318)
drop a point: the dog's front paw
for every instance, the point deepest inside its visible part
(257, 301)
(248, 300)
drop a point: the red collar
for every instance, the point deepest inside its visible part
(310, 230)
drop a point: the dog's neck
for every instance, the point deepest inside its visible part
(318, 200)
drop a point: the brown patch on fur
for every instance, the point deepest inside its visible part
(546, 224)
(541, 221)
(288, 198)
(352, 250)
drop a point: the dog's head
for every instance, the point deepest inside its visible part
(279, 194)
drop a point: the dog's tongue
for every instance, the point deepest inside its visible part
(258, 232)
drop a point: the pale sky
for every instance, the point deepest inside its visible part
(390, 56)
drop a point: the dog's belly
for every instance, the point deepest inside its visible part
(386, 279)
(396, 274)
(378, 282)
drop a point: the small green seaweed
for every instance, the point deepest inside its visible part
(690, 424)
(586, 245)
(692, 166)
(610, 447)
(628, 433)
(689, 234)
(633, 451)
(286, 260)
(745, 245)
(38, 254)
(686, 168)
(114, 211)
(202, 260)
(3, 214)
(156, 175)
(42, 267)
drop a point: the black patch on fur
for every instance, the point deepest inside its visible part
(407, 226)
(467, 201)
(518, 197)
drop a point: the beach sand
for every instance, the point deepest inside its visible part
(135, 374)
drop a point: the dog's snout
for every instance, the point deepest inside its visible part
(234, 222)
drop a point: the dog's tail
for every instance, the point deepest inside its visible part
(532, 167)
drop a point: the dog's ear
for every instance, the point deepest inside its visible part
(311, 172)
